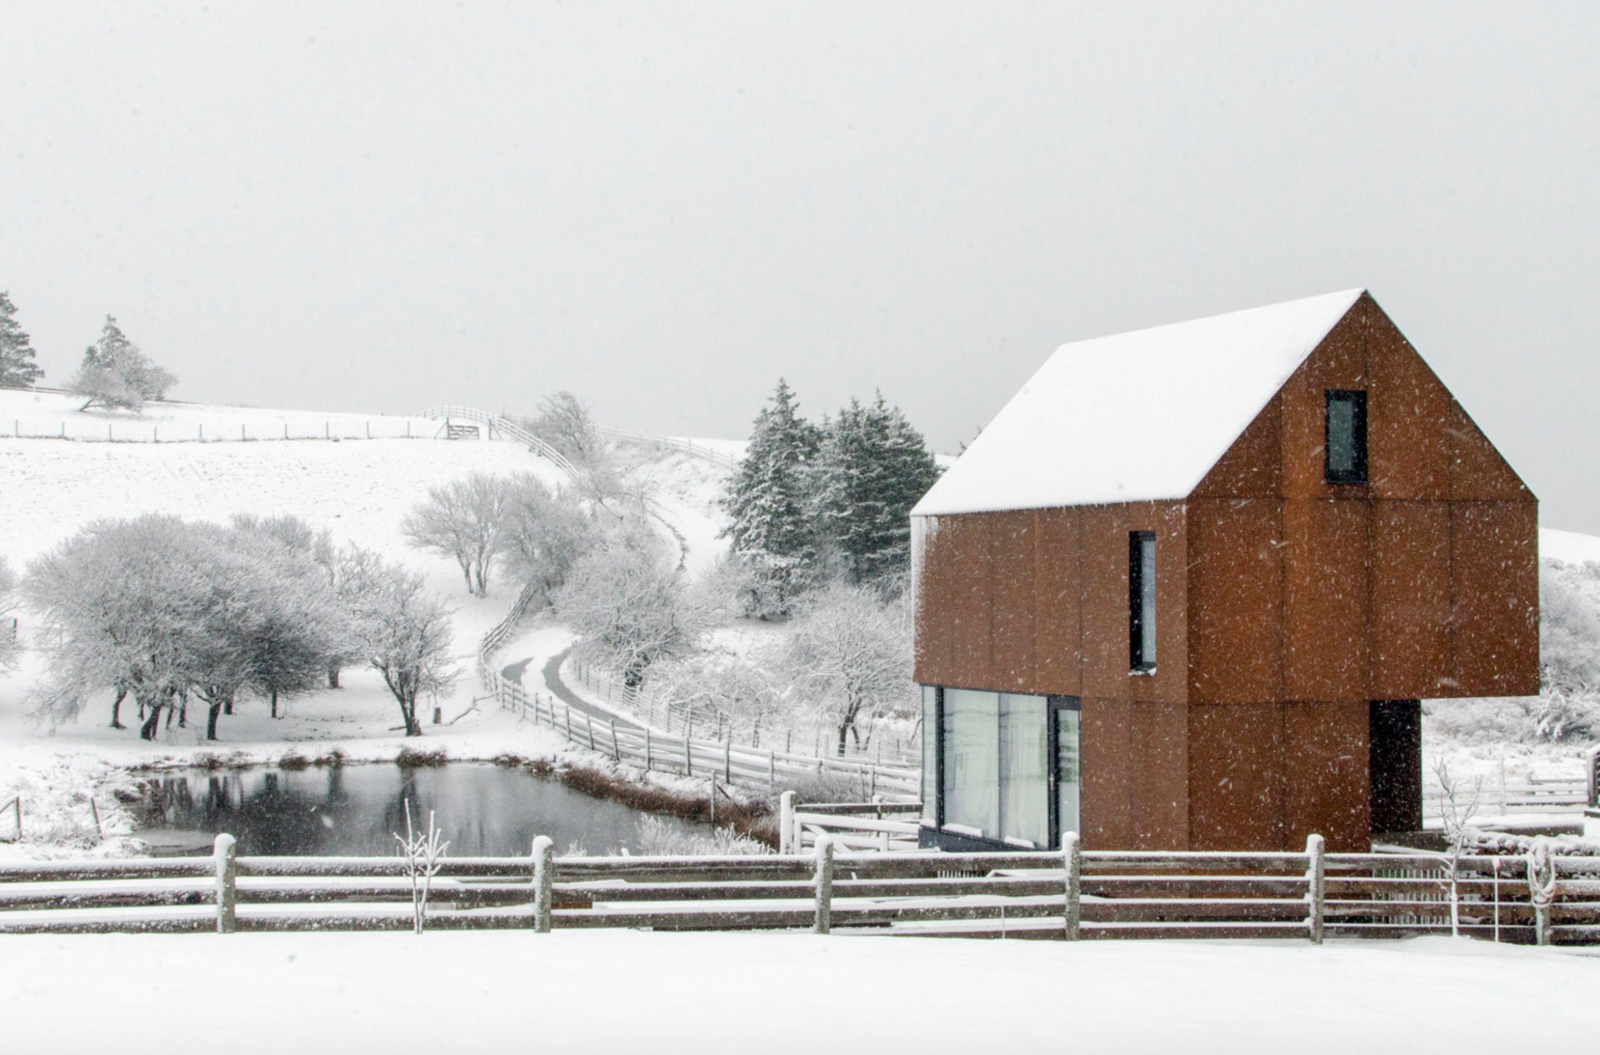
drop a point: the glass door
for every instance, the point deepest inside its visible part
(1066, 775)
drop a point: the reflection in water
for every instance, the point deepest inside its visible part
(484, 810)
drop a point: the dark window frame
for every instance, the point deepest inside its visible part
(1357, 398)
(1053, 703)
(1137, 662)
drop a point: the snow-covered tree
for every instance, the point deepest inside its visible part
(9, 646)
(871, 469)
(629, 609)
(1568, 706)
(546, 531)
(124, 605)
(564, 423)
(464, 520)
(17, 368)
(850, 656)
(400, 630)
(117, 375)
(770, 519)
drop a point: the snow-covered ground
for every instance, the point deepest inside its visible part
(708, 994)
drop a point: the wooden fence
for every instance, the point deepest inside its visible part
(1061, 895)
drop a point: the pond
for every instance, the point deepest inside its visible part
(355, 810)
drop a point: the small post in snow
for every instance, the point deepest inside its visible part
(1316, 888)
(786, 824)
(227, 871)
(647, 748)
(824, 885)
(1072, 863)
(544, 871)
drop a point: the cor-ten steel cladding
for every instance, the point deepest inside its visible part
(1285, 606)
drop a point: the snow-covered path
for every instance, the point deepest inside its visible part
(621, 991)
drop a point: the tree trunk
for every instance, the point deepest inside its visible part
(211, 720)
(227, 706)
(116, 707)
(274, 701)
(333, 676)
(466, 572)
(183, 710)
(147, 731)
(408, 711)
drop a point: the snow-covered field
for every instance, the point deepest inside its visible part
(611, 991)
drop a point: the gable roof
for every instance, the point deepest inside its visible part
(1136, 416)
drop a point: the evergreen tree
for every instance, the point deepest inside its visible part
(767, 502)
(17, 368)
(115, 373)
(871, 469)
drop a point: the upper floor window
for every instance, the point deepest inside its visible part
(1142, 600)
(1345, 442)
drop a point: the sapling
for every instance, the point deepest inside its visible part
(1456, 811)
(422, 853)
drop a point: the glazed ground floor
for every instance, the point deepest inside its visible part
(1010, 769)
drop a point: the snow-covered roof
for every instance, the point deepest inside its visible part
(1136, 416)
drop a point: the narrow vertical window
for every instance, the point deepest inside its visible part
(1345, 442)
(1064, 734)
(1142, 600)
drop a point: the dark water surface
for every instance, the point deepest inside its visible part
(354, 810)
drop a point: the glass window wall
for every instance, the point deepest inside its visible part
(972, 762)
(930, 756)
(1024, 770)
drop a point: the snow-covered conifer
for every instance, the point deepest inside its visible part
(115, 374)
(770, 520)
(871, 469)
(17, 368)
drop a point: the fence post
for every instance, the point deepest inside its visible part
(688, 755)
(616, 752)
(727, 757)
(786, 824)
(227, 870)
(1316, 888)
(824, 885)
(1072, 861)
(544, 871)
(647, 748)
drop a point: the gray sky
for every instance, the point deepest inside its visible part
(665, 207)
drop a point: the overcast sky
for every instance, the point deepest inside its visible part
(665, 207)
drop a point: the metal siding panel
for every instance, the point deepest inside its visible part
(1408, 417)
(972, 604)
(1410, 600)
(1235, 601)
(1253, 466)
(1477, 471)
(1325, 599)
(1494, 563)
(1012, 559)
(931, 652)
(1159, 760)
(1058, 600)
(1338, 362)
(1236, 777)
(1325, 775)
(1107, 822)
(1105, 601)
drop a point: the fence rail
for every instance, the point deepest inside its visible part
(502, 428)
(699, 450)
(1064, 894)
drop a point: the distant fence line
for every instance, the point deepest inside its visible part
(498, 427)
(1065, 895)
(687, 446)
(135, 431)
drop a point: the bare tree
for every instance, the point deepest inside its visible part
(9, 645)
(546, 531)
(464, 520)
(850, 653)
(564, 423)
(399, 629)
(1457, 806)
(629, 610)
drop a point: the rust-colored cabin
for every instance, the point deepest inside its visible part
(1187, 589)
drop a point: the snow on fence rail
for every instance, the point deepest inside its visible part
(1064, 895)
(133, 430)
(881, 826)
(699, 450)
(502, 428)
